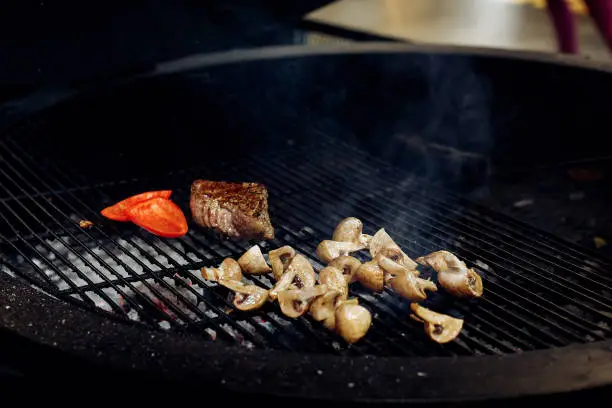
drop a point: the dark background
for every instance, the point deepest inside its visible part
(50, 42)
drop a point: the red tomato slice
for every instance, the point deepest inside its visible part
(117, 212)
(159, 216)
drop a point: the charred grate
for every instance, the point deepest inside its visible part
(540, 292)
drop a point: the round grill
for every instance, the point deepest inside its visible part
(66, 163)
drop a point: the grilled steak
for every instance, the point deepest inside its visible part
(237, 210)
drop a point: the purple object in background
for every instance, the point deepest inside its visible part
(601, 11)
(565, 25)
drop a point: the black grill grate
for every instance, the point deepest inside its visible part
(540, 292)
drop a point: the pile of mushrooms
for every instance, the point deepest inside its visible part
(230, 273)
(298, 288)
(391, 267)
(325, 295)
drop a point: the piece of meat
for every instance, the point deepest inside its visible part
(236, 210)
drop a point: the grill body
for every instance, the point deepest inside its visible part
(392, 135)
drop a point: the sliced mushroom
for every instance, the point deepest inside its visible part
(299, 274)
(440, 261)
(328, 250)
(253, 262)
(348, 265)
(411, 287)
(229, 270)
(382, 243)
(323, 308)
(334, 279)
(247, 297)
(350, 230)
(439, 327)
(391, 267)
(461, 283)
(370, 275)
(453, 275)
(352, 321)
(295, 302)
(280, 259)
(283, 283)
(305, 276)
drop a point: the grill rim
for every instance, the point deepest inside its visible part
(93, 338)
(559, 369)
(44, 98)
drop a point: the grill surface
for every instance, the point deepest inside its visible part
(540, 292)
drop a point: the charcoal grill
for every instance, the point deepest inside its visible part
(292, 118)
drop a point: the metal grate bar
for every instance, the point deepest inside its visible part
(311, 249)
(417, 221)
(108, 281)
(418, 217)
(516, 232)
(543, 320)
(588, 275)
(353, 346)
(389, 304)
(301, 323)
(90, 283)
(323, 234)
(492, 241)
(219, 256)
(151, 273)
(369, 215)
(171, 258)
(83, 276)
(536, 295)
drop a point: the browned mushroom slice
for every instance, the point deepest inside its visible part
(295, 302)
(247, 297)
(370, 275)
(280, 259)
(410, 287)
(299, 274)
(305, 276)
(253, 262)
(328, 250)
(461, 283)
(352, 321)
(334, 279)
(323, 308)
(441, 261)
(391, 267)
(439, 327)
(453, 275)
(283, 283)
(403, 281)
(350, 230)
(348, 265)
(229, 269)
(382, 243)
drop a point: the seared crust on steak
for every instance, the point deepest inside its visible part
(237, 210)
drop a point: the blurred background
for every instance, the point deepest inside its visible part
(51, 42)
(508, 24)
